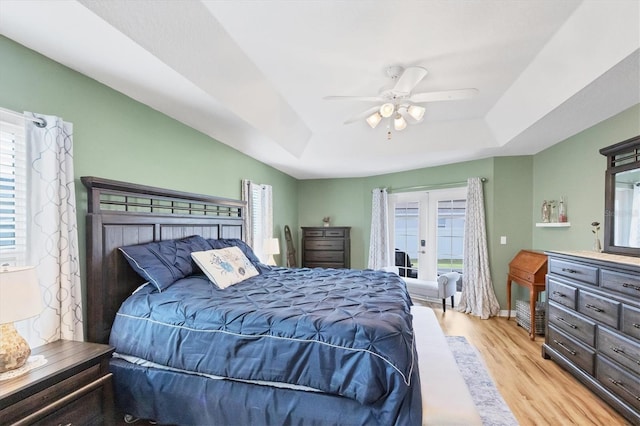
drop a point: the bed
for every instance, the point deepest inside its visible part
(287, 346)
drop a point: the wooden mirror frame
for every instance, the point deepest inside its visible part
(621, 157)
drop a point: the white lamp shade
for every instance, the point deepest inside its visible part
(399, 123)
(20, 296)
(272, 246)
(387, 109)
(374, 119)
(416, 111)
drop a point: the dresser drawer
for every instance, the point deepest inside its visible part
(619, 381)
(577, 271)
(334, 233)
(324, 256)
(324, 244)
(572, 323)
(630, 323)
(522, 275)
(562, 293)
(599, 308)
(50, 395)
(621, 282)
(336, 265)
(576, 352)
(325, 232)
(86, 409)
(620, 349)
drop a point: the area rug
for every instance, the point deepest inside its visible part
(491, 406)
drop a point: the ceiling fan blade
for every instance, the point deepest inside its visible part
(362, 115)
(409, 80)
(353, 98)
(447, 95)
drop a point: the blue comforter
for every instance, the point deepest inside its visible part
(343, 332)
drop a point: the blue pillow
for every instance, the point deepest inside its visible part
(164, 262)
(235, 242)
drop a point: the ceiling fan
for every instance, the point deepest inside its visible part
(398, 102)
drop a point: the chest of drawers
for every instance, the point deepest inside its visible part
(326, 247)
(593, 324)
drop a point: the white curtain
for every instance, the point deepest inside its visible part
(52, 231)
(259, 216)
(379, 242)
(478, 297)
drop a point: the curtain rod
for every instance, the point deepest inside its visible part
(40, 122)
(434, 186)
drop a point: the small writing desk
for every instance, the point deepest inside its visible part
(528, 269)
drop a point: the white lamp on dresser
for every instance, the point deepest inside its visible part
(20, 298)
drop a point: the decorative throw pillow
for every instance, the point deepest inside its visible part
(164, 262)
(235, 242)
(226, 266)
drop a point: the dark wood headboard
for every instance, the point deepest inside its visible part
(121, 214)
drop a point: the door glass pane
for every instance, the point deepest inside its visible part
(406, 218)
(450, 234)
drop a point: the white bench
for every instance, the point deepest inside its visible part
(442, 289)
(445, 396)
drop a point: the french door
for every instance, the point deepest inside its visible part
(427, 231)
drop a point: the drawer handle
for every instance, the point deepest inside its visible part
(594, 308)
(557, 293)
(621, 351)
(621, 386)
(563, 346)
(627, 285)
(569, 270)
(566, 322)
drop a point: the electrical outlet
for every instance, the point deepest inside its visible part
(503, 240)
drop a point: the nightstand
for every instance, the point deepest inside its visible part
(73, 387)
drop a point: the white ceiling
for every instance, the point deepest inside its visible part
(253, 74)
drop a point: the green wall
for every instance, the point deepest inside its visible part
(119, 138)
(575, 169)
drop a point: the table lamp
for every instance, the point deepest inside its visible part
(271, 247)
(20, 299)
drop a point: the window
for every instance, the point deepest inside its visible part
(451, 215)
(428, 231)
(406, 235)
(13, 182)
(260, 216)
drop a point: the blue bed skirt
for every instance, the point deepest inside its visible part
(171, 397)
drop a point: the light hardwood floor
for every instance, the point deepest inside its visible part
(537, 390)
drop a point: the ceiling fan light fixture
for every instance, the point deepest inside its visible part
(416, 111)
(399, 123)
(374, 119)
(386, 110)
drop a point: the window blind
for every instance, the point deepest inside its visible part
(13, 193)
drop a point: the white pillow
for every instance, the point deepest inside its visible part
(226, 266)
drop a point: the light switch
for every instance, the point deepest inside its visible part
(503, 240)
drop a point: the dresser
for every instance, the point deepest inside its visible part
(529, 269)
(326, 247)
(74, 387)
(593, 324)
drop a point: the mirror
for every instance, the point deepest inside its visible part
(622, 198)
